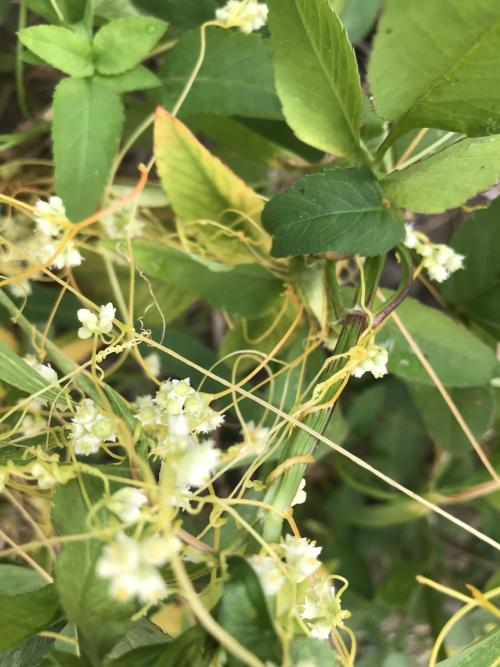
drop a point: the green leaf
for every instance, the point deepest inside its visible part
(475, 289)
(140, 634)
(459, 358)
(312, 651)
(101, 621)
(138, 78)
(28, 653)
(16, 372)
(316, 75)
(114, 9)
(124, 42)
(15, 579)
(88, 119)
(481, 654)
(243, 613)
(358, 17)
(182, 14)
(25, 614)
(337, 210)
(475, 405)
(425, 62)
(235, 79)
(60, 47)
(245, 290)
(448, 178)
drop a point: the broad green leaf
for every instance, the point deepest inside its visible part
(307, 650)
(114, 9)
(60, 47)
(16, 372)
(316, 75)
(201, 188)
(140, 634)
(243, 613)
(425, 63)
(15, 579)
(72, 10)
(482, 653)
(138, 78)
(88, 119)
(448, 178)
(459, 358)
(246, 289)
(475, 405)
(235, 79)
(28, 653)
(197, 183)
(25, 614)
(85, 598)
(339, 210)
(358, 17)
(122, 44)
(182, 14)
(476, 288)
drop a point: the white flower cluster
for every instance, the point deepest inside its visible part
(121, 225)
(374, 361)
(301, 559)
(93, 324)
(174, 419)
(132, 567)
(48, 374)
(247, 15)
(126, 503)
(91, 428)
(438, 259)
(321, 609)
(319, 605)
(49, 232)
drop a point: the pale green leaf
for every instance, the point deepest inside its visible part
(457, 356)
(124, 42)
(138, 78)
(316, 75)
(201, 188)
(16, 372)
(60, 47)
(246, 289)
(358, 17)
(338, 210)
(435, 64)
(448, 178)
(15, 579)
(88, 118)
(235, 79)
(114, 9)
(482, 653)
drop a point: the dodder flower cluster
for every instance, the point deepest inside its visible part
(438, 259)
(247, 15)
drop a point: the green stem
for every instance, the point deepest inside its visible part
(21, 90)
(282, 491)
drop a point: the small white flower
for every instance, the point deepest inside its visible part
(125, 586)
(33, 424)
(375, 362)
(255, 437)
(270, 575)
(90, 428)
(321, 609)
(439, 260)
(153, 364)
(247, 15)
(157, 550)
(301, 556)
(301, 495)
(118, 557)
(96, 324)
(45, 370)
(54, 208)
(45, 479)
(126, 503)
(21, 288)
(195, 464)
(152, 587)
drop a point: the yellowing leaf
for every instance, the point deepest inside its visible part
(201, 187)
